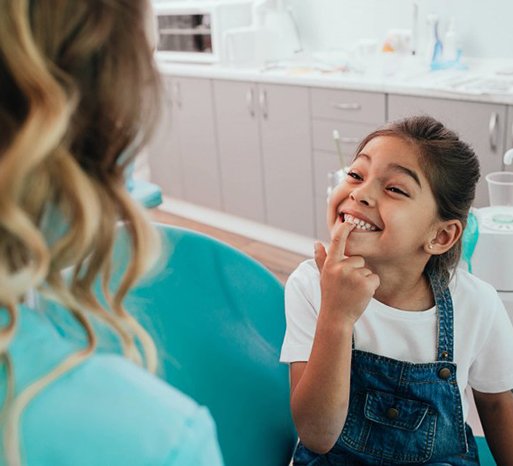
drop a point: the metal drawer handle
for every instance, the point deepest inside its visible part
(263, 103)
(347, 106)
(493, 130)
(250, 100)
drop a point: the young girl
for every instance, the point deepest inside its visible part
(384, 333)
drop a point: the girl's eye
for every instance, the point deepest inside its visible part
(393, 189)
(355, 176)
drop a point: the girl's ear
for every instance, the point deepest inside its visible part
(447, 234)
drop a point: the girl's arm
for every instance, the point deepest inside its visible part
(320, 387)
(496, 413)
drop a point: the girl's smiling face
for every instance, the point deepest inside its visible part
(387, 195)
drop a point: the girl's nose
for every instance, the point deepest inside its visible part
(362, 197)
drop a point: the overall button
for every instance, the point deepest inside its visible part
(445, 354)
(392, 413)
(444, 373)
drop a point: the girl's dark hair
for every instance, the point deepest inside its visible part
(452, 169)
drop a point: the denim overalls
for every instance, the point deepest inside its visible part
(402, 412)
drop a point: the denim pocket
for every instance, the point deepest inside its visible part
(383, 426)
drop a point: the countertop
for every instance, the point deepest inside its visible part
(480, 80)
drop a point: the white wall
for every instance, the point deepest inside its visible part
(484, 27)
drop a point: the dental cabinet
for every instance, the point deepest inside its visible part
(262, 149)
(263, 133)
(184, 158)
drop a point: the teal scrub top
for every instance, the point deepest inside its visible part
(106, 411)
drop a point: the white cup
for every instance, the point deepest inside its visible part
(500, 188)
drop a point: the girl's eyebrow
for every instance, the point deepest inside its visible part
(396, 168)
(407, 171)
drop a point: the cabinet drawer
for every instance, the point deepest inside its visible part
(355, 106)
(350, 136)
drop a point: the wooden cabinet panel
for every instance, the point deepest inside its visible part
(482, 125)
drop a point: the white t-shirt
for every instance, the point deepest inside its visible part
(483, 332)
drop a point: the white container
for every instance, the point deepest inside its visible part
(500, 188)
(244, 47)
(492, 260)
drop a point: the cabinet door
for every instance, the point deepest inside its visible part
(482, 125)
(164, 155)
(287, 157)
(239, 149)
(198, 146)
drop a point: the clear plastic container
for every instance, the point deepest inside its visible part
(334, 179)
(500, 188)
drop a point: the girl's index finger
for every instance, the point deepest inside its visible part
(336, 251)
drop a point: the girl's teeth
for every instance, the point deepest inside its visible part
(360, 224)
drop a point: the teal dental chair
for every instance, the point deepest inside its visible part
(218, 319)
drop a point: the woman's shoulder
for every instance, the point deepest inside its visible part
(105, 411)
(109, 411)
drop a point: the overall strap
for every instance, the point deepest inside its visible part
(445, 318)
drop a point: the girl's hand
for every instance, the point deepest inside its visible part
(347, 285)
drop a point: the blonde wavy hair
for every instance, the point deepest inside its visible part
(78, 86)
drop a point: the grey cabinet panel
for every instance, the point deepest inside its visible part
(321, 226)
(239, 149)
(471, 120)
(324, 163)
(355, 106)
(200, 162)
(183, 151)
(164, 148)
(287, 157)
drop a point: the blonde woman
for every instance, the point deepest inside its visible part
(77, 90)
